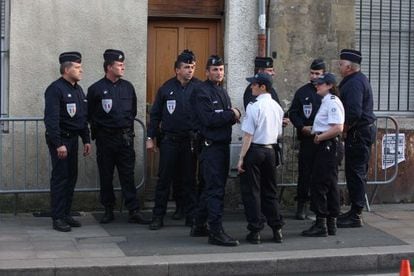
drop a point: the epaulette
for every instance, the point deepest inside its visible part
(333, 97)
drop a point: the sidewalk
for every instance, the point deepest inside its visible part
(29, 246)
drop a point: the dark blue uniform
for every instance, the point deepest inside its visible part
(173, 114)
(249, 97)
(302, 111)
(356, 95)
(66, 112)
(112, 110)
(216, 119)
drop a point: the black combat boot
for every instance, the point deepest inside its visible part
(277, 234)
(301, 211)
(61, 225)
(221, 238)
(179, 213)
(331, 225)
(108, 215)
(198, 230)
(156, 223)
(318, 229)
(351, 221)
(253, 237)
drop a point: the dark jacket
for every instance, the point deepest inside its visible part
(66, 110)
(112, 105)
(214, 112)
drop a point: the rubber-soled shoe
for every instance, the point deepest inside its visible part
(221, 238)
(318, 229)
(108, 215)
(199, 231)
(277, 235)
(253, 237)
(156, 223)
(72, 222)
(61, 225)
(135, 216)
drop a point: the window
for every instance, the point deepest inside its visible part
(4, 49)
(385, 36)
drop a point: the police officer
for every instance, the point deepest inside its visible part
(261, 65)
(66, 112)
(261, 125)
(359, 132)
(327, 126)
(302, 112)
(216, 118)
(112, 110)
(172, 113)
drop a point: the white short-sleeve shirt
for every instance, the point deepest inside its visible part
(330, 112)
(263, 120)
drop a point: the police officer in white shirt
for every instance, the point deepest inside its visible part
(261, 126)
(327, 126)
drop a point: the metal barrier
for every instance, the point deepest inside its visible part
(287, 172)
(25, 164)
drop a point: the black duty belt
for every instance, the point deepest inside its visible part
(268, 146)
(177, 137)
(68, 134)
(114, 130)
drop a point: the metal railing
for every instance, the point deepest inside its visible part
(25, 164)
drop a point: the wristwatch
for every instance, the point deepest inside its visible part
(149, 138)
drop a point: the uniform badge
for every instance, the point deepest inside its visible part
(171, 106)
(107, 105)
(69, 95)
(71, 109)
(307, 110)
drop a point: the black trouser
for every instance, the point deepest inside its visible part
(214, 166)
(175, 163)
(324, 186)
(178, 192)
(306, 158)
(64, 176)
(258, 189)
(357, 153)
(112, 149)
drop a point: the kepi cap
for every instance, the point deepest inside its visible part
(351, 55)
(318, 64)
(327, 78)
(263, 62)
(113, 55)
(214, 60)
(70, 56)
(261, 78)
(186, 56)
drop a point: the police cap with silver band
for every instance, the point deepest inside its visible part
(214, 60)
(113, 55)
(186, 56)
(351, 55)
(263, 62)
(318, 64)
(70, 56)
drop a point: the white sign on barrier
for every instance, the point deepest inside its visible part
(388, 150)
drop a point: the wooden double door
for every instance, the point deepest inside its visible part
(167, 39)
